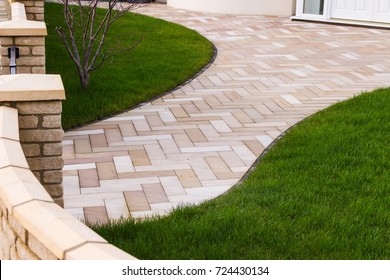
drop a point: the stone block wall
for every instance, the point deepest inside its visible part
(40, 126)
(26, 35)
(17, 243)
(31, 51)
(41, 135)
(32, 226)
(34, 8)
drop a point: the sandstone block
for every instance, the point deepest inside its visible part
(37, 175)
(52, 176)
(52, 149)
(18, 228)
(31, 150)
(53, 121)
(39, 249)
(5, 246)
(55, 190)
(38, 164)
(38, 70)
(30, 16)
(39, 50)
(34, 10)
(50, 135)
(24, 51)
(8, 231)
(31, 60)
(28, 121)
(30, 41)
(6, 41)
(23, 70)
(38, 3)
(39, 107)
(13, 254)
(39, 17)
(24, 252)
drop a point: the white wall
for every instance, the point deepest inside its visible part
(260, 7)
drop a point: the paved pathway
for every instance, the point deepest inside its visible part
(197, 142)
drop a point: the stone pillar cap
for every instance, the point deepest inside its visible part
(20, 26)
(31, 87)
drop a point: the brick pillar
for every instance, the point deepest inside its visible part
(38, 99)
(40, 136)
(29, 37)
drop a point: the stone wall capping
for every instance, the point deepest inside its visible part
(31, 87)
(18, 11)
(20, 186)
(20, 26)
(9, 123)
(12, 154)
(57, 230)
(97, 251)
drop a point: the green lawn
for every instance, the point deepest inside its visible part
(322, 192)
(168, 55)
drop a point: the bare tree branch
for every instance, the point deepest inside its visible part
(85, 33)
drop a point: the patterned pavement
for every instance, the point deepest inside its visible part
(198, 141)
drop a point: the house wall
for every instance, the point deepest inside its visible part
(260, 7)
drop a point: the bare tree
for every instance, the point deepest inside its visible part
(85, 33)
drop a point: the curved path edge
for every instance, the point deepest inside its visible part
(199, 140)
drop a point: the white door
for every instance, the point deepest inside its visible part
(366, 10)
(382, 11)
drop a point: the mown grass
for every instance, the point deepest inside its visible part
(322, 192)
(167, 56)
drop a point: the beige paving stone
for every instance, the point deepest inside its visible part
(172, 186)
(145, 174)
(196, 135)
(106, 170)
(98, 140)
(217, 165)
(255, 147)
(136, 201)
(140, 158)
(113, 135)
(179, 112)
(117, 208)
(123, 164)
(188, 178)
(169, 146)
(154, 121)
(127, 129)
(141, 125)
(82, 146)
(182, 140)
(155, 193)
(71, 185)
(88, 178)
(95, 215)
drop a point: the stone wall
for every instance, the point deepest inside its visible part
(28, 36)
(32, 225)
(40, 127)
(34, 8)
